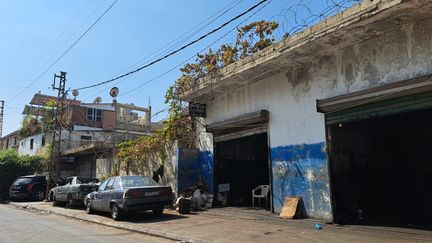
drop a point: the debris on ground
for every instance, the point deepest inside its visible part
(318, 226)
(291, 208)
(198, 196)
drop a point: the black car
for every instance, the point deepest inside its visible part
(129, 193)
(28, 187)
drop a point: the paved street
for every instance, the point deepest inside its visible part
(23, 226)
(229, 225)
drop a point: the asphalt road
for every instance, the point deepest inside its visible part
(23, 226)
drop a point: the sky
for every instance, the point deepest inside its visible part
(34, 34)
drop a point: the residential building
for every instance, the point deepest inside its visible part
(338, 114)
(90, 133)
(9, 141)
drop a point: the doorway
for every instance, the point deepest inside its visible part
(242, 164)
(381, 169)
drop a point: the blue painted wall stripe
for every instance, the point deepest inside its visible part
(301, 170)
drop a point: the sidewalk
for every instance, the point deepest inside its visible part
(237, 225)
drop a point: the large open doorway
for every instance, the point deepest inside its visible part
(381, 169)
(243, 164)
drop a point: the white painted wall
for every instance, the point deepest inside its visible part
(24, 145)
(291, 96)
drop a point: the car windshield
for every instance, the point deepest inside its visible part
(83, 180)
(23, 180)
(137, 181)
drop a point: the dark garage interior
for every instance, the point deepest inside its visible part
(381, 169)
(243, 163)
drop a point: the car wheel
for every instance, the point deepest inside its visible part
(158, 211)
(89, 208)
(116, 212)
(39, 195)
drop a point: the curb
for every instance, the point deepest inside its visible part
(146, 231)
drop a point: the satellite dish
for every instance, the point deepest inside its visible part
(114, 92)
(98, 100)
(75, 92)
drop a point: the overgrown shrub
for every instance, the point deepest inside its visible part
(13, 166)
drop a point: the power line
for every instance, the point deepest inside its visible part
(178, 41)
(208, 46)
(175, 51)
(62, 33)
(67, 50)
(58, 50)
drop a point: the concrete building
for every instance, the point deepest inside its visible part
(9, 141)
(90, 135)
(338, 114)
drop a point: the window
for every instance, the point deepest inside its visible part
(102, 187)
(15, 141)
(43, 140)
(135, 181)
(110, 185)
(117, 184)
(31, 143)
(87, 138)
(94, 114)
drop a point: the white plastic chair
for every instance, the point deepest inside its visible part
(259, 192)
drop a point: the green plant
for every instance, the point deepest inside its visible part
(178, 126)
(13, 165)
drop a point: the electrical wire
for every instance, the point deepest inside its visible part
(67, 50)
(62, 33)
(175, 43)
(190, 58)
(175, 51)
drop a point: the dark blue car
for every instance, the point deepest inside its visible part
(121, 194)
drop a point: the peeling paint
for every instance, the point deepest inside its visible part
(301, 170)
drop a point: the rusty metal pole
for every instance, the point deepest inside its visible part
(57, 131)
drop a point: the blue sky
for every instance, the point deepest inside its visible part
(35, 33)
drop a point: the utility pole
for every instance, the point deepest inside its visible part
(59, 114)
(1, 117)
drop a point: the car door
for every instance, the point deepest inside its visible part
(107, 195)
(61, 192)
(96, 203)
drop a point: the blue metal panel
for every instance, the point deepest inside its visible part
(301, 170)
(194, 166)
(188, 171)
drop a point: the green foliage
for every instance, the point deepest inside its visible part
(13, 165)
(251, 38)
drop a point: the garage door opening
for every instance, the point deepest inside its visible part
(381, 169)
(243, 164)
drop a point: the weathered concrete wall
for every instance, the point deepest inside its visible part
(297, 130)
(166, 176)
(24, 144)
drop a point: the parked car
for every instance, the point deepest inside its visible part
(73, 191)
(121, 194)
(28, 187)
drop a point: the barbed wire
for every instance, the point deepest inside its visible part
(303, 14)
